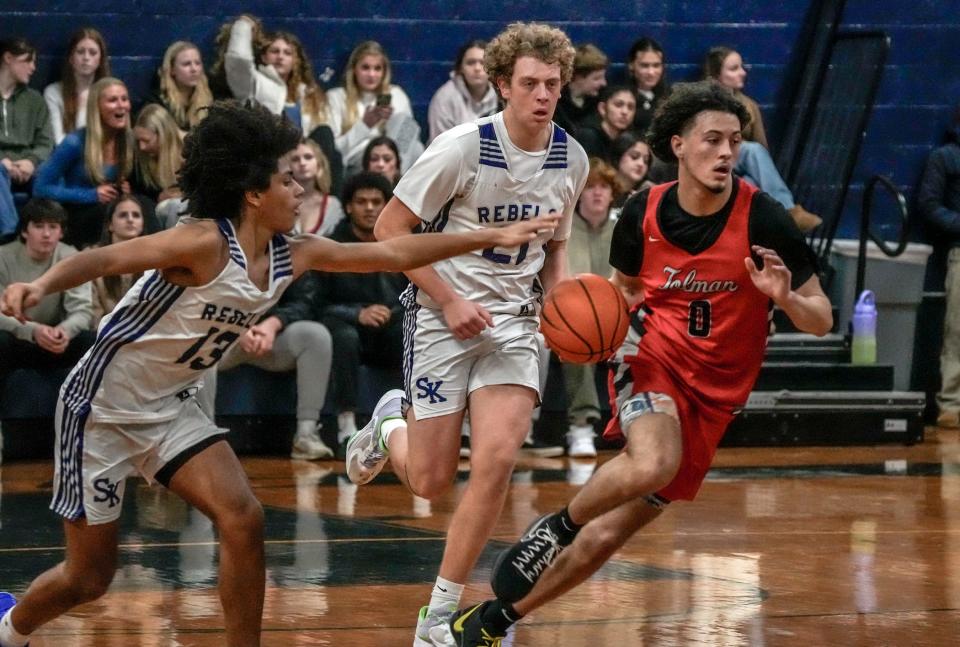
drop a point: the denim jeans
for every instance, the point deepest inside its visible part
(8, 210)
(756, 167)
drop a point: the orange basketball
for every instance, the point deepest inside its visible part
(584, 319)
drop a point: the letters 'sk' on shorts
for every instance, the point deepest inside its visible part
(440, 371)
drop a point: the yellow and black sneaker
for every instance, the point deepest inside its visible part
(469, 630)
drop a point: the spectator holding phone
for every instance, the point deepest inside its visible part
(369, 105)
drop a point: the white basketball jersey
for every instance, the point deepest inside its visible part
(485, 181)
(161, 337)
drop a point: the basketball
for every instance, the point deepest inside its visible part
(584, 319)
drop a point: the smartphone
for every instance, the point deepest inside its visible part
(383, 100)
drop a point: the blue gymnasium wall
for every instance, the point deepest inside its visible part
(920, 84)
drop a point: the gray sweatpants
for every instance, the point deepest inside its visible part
(303, 345)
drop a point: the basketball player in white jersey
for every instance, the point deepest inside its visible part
(471, 322)
(128, 406)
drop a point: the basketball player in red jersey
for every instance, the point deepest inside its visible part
(702, 259)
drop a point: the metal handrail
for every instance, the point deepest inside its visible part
(824, 242)
(865, 230)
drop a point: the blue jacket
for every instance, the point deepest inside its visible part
(64, 177)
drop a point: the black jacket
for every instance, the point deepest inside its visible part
(938, 197)
(301, 301)
(574, 118)
(344, 294)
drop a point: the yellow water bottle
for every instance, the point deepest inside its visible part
(863, 348)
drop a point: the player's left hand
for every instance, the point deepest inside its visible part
(525, 230)
(774, 279)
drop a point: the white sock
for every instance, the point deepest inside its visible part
(445, 594)
(10, 637)
(387, 427)
(347, 424)
(306, 427)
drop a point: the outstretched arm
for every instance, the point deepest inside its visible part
(808, 307)
(194, 248)
(397, 220)
(463, 317)
(409, 252)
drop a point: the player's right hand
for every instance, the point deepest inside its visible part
(466, 319)
(525, 230)
(17, 298)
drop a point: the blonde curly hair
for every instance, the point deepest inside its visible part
(538, 40)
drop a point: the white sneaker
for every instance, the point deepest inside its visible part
(579, 472)
(580, 442)
(366, 454)
(307, 445)
(433, 628)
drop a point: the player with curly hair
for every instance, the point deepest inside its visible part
(707, 256)
(471, 321)
(129, 405)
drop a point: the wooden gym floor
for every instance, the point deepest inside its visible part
(811, 546)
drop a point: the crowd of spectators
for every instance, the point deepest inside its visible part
(87, 165)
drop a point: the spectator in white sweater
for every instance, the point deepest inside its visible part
(272, 69)
(278, 77)
(368, 105)
(467, 96)
(86, 62)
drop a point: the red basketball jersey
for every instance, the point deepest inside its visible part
(707, 321)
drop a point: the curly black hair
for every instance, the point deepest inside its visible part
(366, 180)
(677, 113)
(233, 150)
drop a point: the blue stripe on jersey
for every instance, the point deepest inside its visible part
(409, 336)
(488, 132)
(557, 155)
(282, 263)
(490, 152)
(127, 324)
(236, 253)
(440, 220)
(486, 161)
(68, 498)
